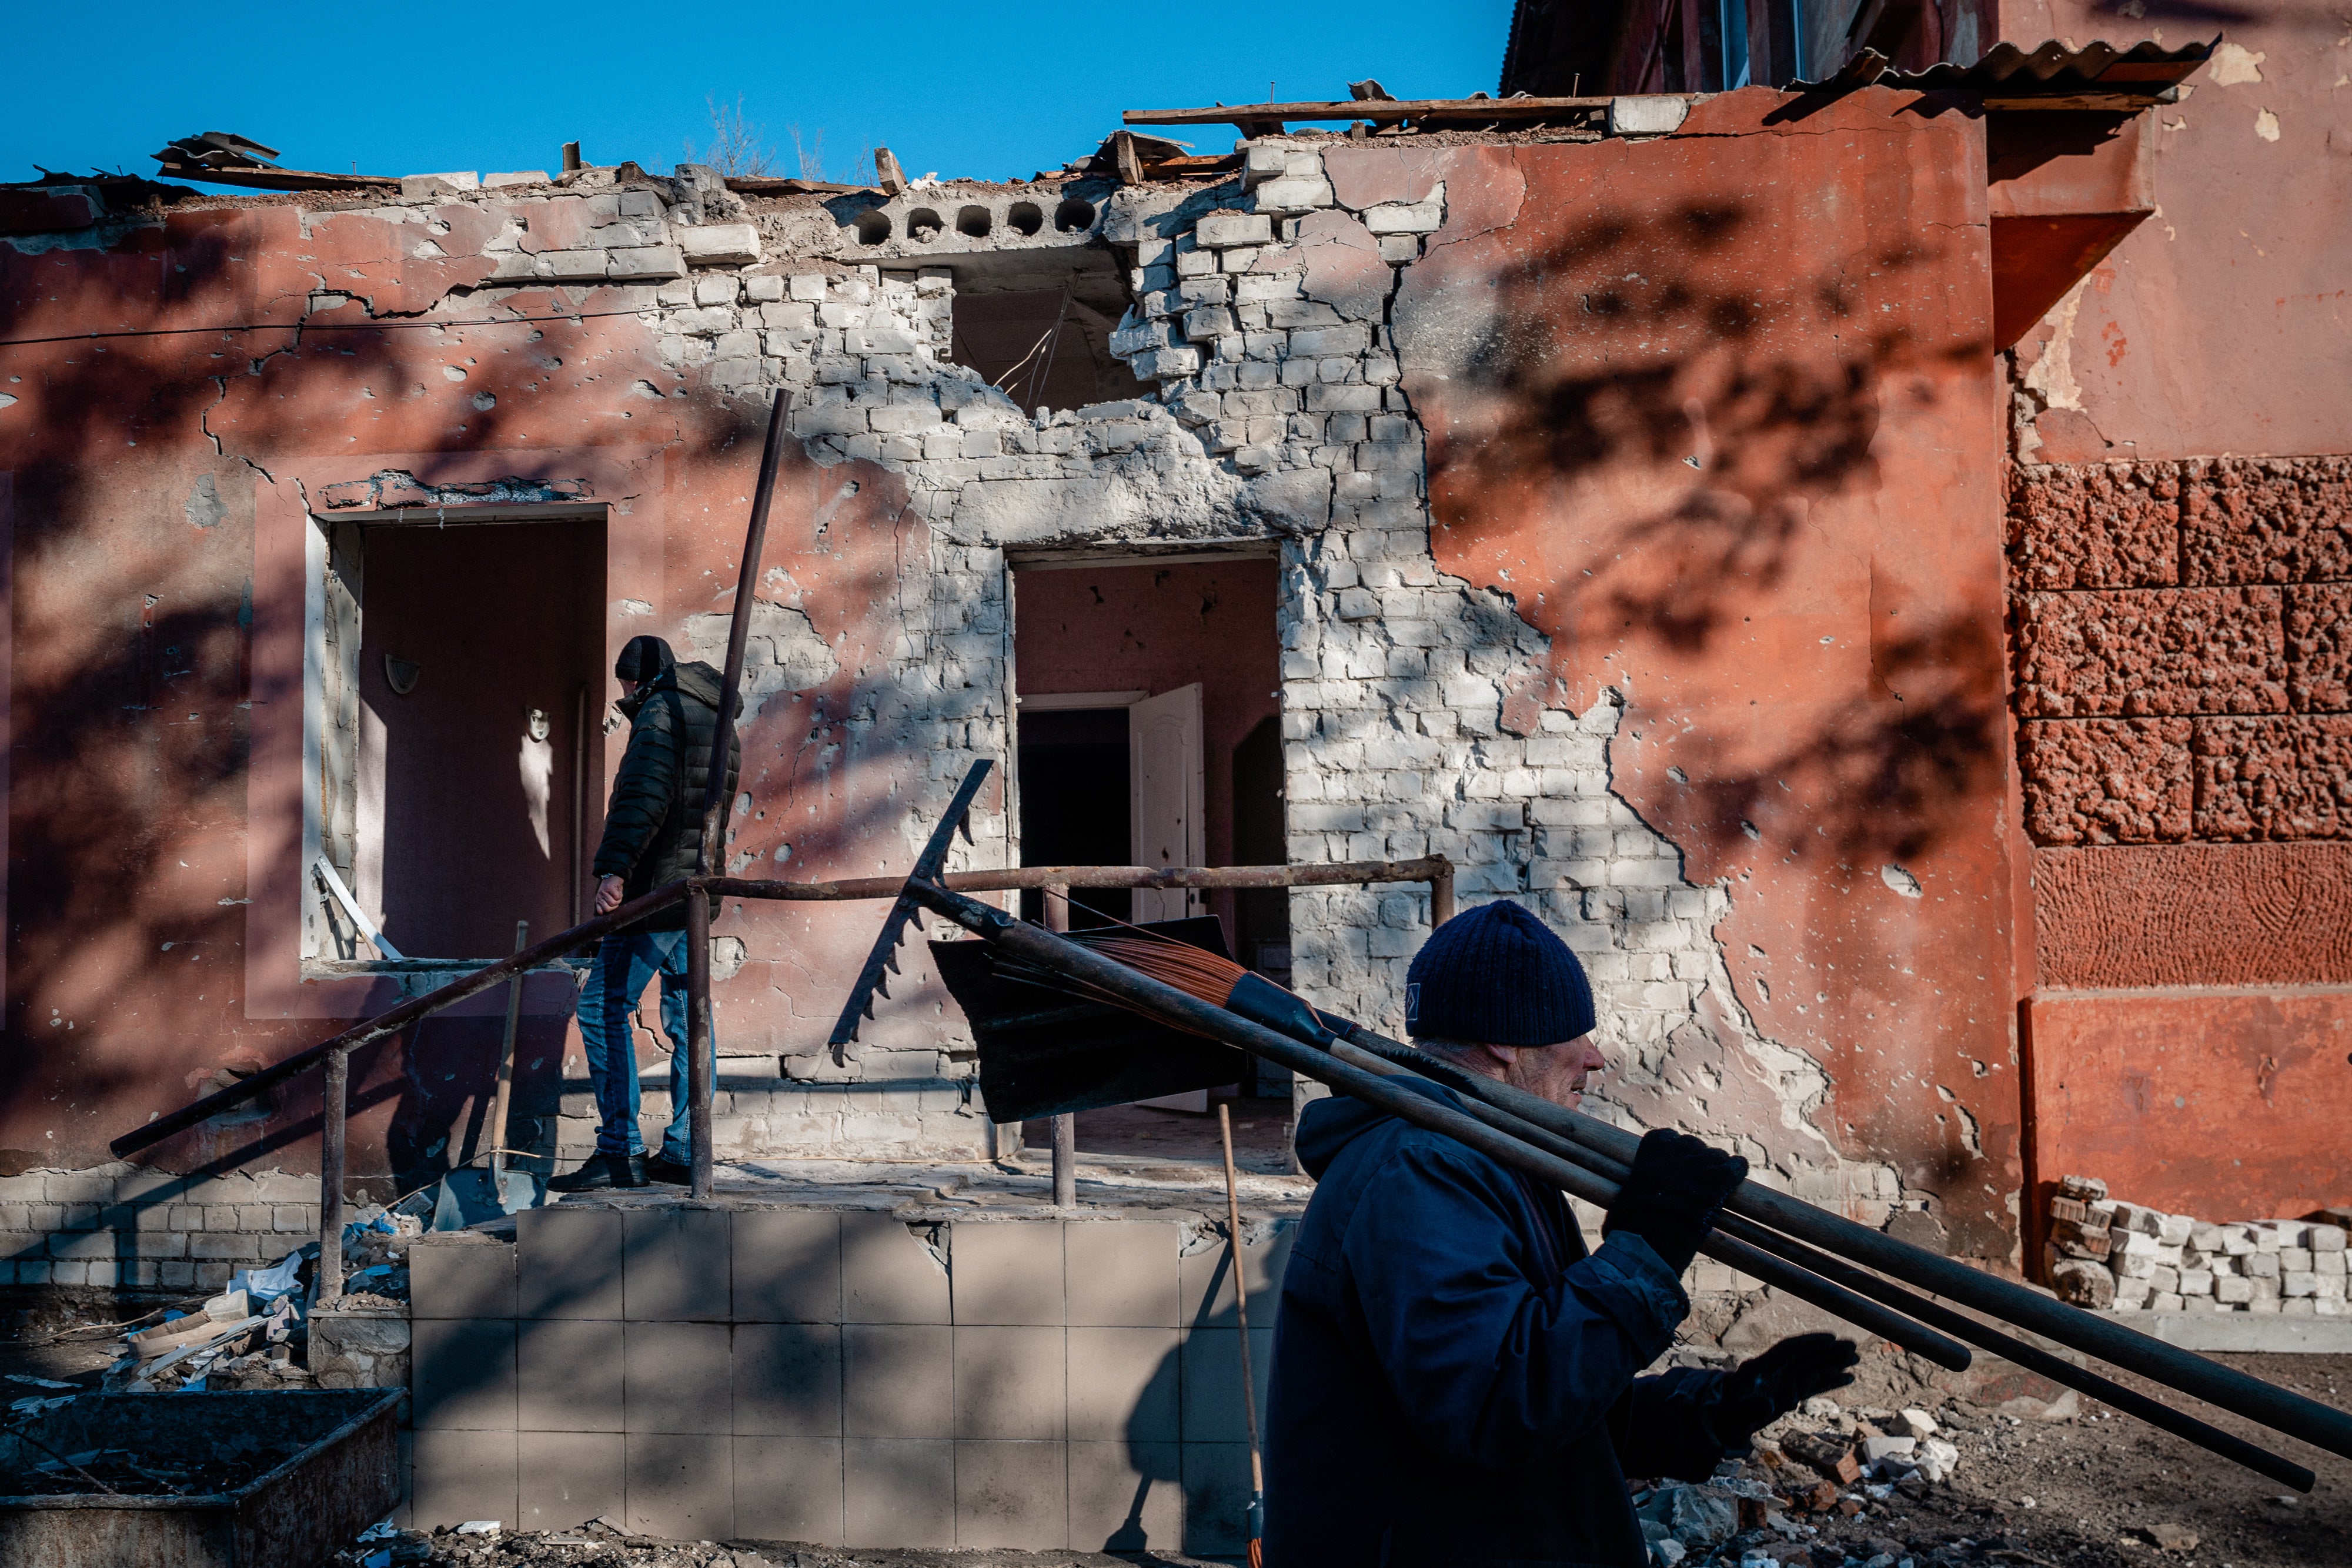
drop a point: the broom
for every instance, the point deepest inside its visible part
(1211, 978)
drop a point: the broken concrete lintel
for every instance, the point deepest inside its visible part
(720, 244)
(1647, 114)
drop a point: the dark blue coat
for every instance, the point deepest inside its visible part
(1455, 1376)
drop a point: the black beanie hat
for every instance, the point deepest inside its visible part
(644, 659)
(1498, 975)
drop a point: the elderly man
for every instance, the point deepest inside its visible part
(1456, 1380)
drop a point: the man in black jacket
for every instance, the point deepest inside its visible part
(652, 831)
(1456, 1380)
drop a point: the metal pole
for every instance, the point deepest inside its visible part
(1065, 1125)
(335, 1092)
(506, 1068)
(699, 1061)
(1241, 1315)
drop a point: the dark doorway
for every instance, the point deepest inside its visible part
(1074, 805)
(481, 681)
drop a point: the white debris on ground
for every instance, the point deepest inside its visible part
(2110, 1255)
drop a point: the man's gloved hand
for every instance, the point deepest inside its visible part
(1757, 1392)
(1671, 1196)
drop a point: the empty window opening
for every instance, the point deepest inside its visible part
(1074, 214)
(1037, 325)
(873, 226)
(973, 222)
(1026, 217)
(923, 224)
(460, 704)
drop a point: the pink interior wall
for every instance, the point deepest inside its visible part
(1153, 629)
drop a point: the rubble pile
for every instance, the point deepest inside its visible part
(254, 1334)
(2126, 1257)
(1807, 1475)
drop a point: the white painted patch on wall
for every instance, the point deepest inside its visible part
(2266, 126)
(635, 607)
(535, 763)
(2234, 63)
(1901, 880)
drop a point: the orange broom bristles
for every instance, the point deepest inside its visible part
(1195, 971)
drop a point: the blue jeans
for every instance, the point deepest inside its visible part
(616, 981)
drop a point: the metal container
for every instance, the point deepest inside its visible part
(342, 1474)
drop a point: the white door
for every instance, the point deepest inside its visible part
(1164, 755)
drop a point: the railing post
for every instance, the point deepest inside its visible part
(1065, 1125)
(700, 1058)
(1440, 893)
(335, 1096)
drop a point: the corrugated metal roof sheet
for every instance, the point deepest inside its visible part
(2052, 70)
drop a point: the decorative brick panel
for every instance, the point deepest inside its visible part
(2107, 781)
(2271, 519)
(2283, 777)
(2151, 652)
(2103, 526)
(2319, 647)
(2193, 914)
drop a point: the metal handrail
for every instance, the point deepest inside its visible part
(333, 1055)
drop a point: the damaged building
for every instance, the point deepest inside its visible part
(1825, 548)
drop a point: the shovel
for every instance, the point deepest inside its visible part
(469, 1196)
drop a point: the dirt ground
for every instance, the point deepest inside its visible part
(2102, 1489)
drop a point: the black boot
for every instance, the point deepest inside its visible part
(663, 1169)
(602, 1170)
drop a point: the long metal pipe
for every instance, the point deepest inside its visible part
(334, 1091)
(1434, 869)
(2274, 1407)
(1064, 1127)
(1863, 1282)
(1189, 1012)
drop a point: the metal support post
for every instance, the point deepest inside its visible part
(1066, 1126)
(700, 1059)
(335, 1092)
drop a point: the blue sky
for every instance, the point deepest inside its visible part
(972, 90)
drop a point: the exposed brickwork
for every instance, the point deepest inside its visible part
(2286, 778)
(2106, 780)
(2215, 593)
(2145, 653)
(2194, 915)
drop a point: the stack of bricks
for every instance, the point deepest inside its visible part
(121, 1226)
(2130, 1258)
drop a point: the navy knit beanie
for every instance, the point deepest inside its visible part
(1496, 975)
(644, 659)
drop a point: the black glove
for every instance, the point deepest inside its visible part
(1757, 1392)
(1671, 1196)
